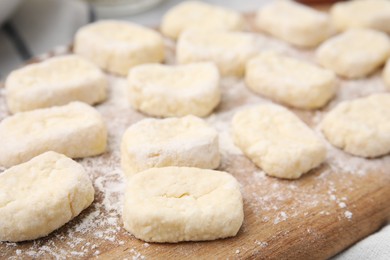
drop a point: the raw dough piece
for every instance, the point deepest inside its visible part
(174, 204)
(76, 130)
(354, 53)
(41, 195)
(361, 126)
(290, 81)
(294, 23)
(228, 50)
(374, 14)
(118, 46)
(199, 15)
(186, 141)
(386, 74)
(55, 82)
(164, 91)
(277, 141)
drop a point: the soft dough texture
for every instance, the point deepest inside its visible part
(117, 46)
(186, 141)
(228, 50)
(277, 141)
(361, 126)
(55, 82)
(165, 91)
(76, 130)
(374, 14)
(290, 81)
(386, 74)
(201, 16)
(354, 53)
(294, 23)
(174, 204)
(41, 195)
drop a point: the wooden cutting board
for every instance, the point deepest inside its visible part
(315, 217)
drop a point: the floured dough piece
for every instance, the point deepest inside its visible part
(294, 23)
(165, 91)
(290, 81)
(201, 16)
(228, 50)
(54, 82)
(41, 195)
(355, 53)
(361, 126)
(374, 14)
(174, 204)
(186, 141)
(277, 141)
(118, 46)
(386, 74)
(76, 130)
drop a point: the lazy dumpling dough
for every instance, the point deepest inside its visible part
(165, 91)
(174, 204)
(374, 14)
(54, 82)
(294, 23)
(354, 53)
(41, 195)
(228, 50)
(76, 130)
(186, 141)
(200, 16)
(386, 74)
(361, 126)
(277, 141)
(117, 46)
(290, 81)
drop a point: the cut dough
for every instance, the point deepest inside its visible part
(186, 141)
(54, 82)
(200, 16)
(290, 81)
(118, 46)
(294, 23)
(354, 53)
(228, 50)
(76, 130)
(374, 14)
(165, 91)
(174, 204)
(386, 74)
(41, 195)
(360, 127)
(277, 141)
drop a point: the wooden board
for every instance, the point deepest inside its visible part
(315, 217)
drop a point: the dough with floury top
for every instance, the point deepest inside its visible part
(290, 81)
(75, 130)
(277, 141)
(55, 82)
(41, 195)
(355, 53)
(360, 127)
(174, 204)
(386, 74)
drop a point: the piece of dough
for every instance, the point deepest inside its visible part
(386, 74)
(277, 141)
(361, 126)
(41, 195)
(174, 204)
(165, 91)
(54, 82)
(355, 53)
(228, 50)
(290, 81)
(294, 23)
(117, 46)
(186, 141)
(76, 130)
(201, 16)
(374, 14)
